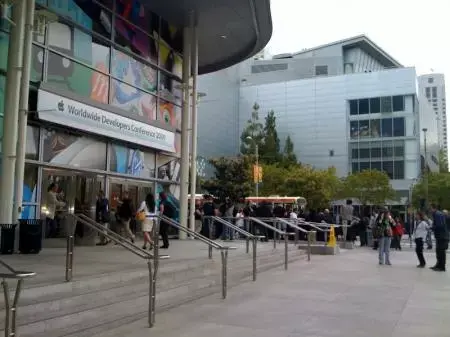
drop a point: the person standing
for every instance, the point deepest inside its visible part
(209, 210)
(420, 235)
(52, 206)
(347, 217)
(440, 231)
(166, 209)
(384, 229)
(102, 215)
(126, 211)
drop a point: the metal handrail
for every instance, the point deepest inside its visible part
(280, 232)
(297, 229)
(212, 244)
(248, 236)
(131, 247)
(11, 309)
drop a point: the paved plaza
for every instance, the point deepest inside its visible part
(346, 295)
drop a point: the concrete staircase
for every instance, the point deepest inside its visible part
(105, 295)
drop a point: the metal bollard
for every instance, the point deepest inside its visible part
(255, 240)
(247, 245)
(151, 295)
(325, 233)
(224, 254)
(297, 236)
(310, 234)
(286, 242)
(69, 258)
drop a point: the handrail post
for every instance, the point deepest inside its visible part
(309, 245)
(286, 243)
(151, 295)
(274, 239)
(7, 307)
(224, 253)
(69, 257)
(254, 242)
(11, 310)
(297, 235)
(247, 245)
(325, 235)
(210, 248)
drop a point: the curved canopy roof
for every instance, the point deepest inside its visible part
(230, 31)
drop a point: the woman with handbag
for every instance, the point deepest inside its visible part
(146, 215)
(384, 229)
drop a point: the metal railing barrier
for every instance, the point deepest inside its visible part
(248, 237)
(152, 260)
(11, 308)
(309, 234)
(285, 234)
(213, 244)
(316, 225)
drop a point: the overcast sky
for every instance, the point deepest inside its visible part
(414, 32)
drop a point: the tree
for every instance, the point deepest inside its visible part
(443, 161)
(255, 130)
(289, 157)
(233, 178)
(369, 187)
(270, 149)
(438, 190)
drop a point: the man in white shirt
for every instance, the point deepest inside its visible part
(347, 217)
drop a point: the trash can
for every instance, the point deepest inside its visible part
(369, 235)
(30, 236)
(8, 234)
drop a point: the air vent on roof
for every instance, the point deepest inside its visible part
(265, 68)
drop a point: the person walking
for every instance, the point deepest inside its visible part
(440, 231)
(147, 207)
(102, 215)
(384, 229)
(420, 236)
(166, 209)
(125, 214)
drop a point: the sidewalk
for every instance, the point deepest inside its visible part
(346, 295)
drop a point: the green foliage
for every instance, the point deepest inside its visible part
(233, 178)
(438, 190)
(270, 149)
(289, 157)
(253, 133)
(443, 161)
(369, 186)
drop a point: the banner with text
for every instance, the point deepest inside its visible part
(65, 111)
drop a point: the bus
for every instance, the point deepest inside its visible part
(276, 199)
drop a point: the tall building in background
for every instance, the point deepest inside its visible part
(347, 104)
(432, 87)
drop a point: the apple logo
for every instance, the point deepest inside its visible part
(61, 105)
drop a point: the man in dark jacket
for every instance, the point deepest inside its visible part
(126, 211)
(441, 235)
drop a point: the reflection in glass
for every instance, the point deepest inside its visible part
(363, 106)
(133, 72)
(353, 107)
(354, 129)
(398, 103)
(66, 149)
(399, 169)
(136, 41)
(375, 128)
(364, 129)
(169, 89)
(133, 100)
(386, 127)
(132, 161)
(375, 105)
(172, 35)
(30, 178)
(137, 14)
(388, 167)
(66, 74)
(386, 104)
(399, 127)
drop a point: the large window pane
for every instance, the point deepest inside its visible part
(29, 183)
(388, 150)
(399, 150)
(399, 127)
(4, 44)
(169, 88)
(376, 165)
(375, 106)
(132, 161)
(138, 16)
(363, 106)
(169, 114)
(2, 99)
(375, 128)
(173, 36)
(355, 153)
(353, 107)
(386, 104)
(364, 129)
(398, 103)
(32, 145)
(129, 70)
(375, 152)
(354, 130)
(399, 169)
(364, 153)
(136, 40)
(37, 63)
(388, 168)
(364, 165)
(355, 167)
(67, 149)
(66, 74)
(386, 127)
(133, 100)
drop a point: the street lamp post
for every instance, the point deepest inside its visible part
(425, 173)
(256, 172)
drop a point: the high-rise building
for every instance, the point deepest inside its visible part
(432, 87)
(347, 104)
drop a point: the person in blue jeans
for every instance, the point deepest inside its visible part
(384, 229)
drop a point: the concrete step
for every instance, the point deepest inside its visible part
(92, 303)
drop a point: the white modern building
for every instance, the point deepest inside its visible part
(432, 87)
(347, 104)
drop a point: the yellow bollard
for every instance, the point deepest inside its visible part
(332, 238)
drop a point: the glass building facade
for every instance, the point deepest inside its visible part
(120, 62)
